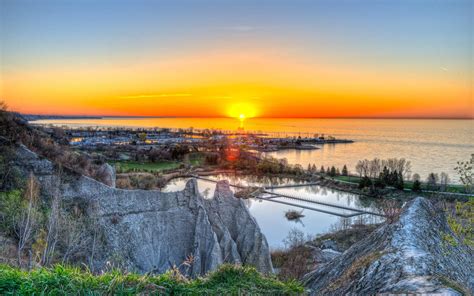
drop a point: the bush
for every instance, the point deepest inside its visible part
(365, 182)
(416, 186)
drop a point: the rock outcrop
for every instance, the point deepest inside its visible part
(151, 231)
(417, 254)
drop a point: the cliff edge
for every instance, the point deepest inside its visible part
(417, 254)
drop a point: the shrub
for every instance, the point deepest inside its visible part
(416, 186)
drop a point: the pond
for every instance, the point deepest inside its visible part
(271, 215)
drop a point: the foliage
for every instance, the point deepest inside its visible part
(461, 221)
(465, 172)
(10, 205)
(293, 263)
(365, 182)
(344, 172)
(416, 186)
(61, 280)
(134, 166)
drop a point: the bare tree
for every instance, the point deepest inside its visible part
(51, 230)
(73, 235)
(375, 167)
(465, 172)
(362, 168)
(400, 165)
(432, 181)
(26, 223)
(444, 181)
(416, 177)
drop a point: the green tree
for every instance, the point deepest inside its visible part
(416, 186)
(345, 172)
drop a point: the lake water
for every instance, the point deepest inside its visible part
(430, 145)
(270, 216)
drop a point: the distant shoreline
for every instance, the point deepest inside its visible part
(34, 117)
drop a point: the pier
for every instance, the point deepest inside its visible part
(272, 197)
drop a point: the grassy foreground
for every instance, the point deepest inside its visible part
(61, 280)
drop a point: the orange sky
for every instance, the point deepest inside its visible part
(203, 58)
(263, 83)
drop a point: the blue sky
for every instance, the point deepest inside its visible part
(422, 37)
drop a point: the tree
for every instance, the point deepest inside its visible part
(465, 172)
(362, 167)
(399, 182)
(365, 182)
(416, 186)
(322, 170)
(432, 181)
(332, 172)
(443, 181)
(26, 222)
(345, 172)
(142, 137)
(416, 177)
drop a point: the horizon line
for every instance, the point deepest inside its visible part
(79, 116)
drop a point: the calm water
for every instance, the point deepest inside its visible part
(431, 145)
(271, 216)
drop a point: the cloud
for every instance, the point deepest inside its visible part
(155, 96)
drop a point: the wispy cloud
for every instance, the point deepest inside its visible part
(155, 96)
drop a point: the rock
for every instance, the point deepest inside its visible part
(324, 255)
(329, 244)
(106, 172)
(152, 231)
(411, 255)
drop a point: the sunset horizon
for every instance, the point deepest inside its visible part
(310, 59)
(237, 147)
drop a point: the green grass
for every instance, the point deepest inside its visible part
(196, 159)
(134, 166)
(61, 280)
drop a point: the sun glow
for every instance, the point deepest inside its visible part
(242, 111)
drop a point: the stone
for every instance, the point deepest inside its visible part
(329, 244)
(411, 255)
(152, 231)
(323, 255)
(107, 174)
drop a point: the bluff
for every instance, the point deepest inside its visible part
(151, 231)
(417, 254)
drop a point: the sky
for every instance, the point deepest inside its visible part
(293, 58)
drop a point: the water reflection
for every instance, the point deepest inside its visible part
(271, 216)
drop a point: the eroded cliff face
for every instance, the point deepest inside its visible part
(150, 231)
(412, 255)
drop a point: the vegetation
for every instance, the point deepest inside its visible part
(134, 166)
(460, 216)
(61, 280)
(296, 260)
(294, 215)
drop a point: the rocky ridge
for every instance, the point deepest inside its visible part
(152, 231)
(417, 254)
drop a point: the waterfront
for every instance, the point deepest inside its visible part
(430, 145)
(271, 216)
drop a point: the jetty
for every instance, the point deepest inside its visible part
(276, 197)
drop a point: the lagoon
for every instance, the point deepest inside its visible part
(271, 216)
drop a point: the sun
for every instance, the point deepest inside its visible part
(242, 111)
